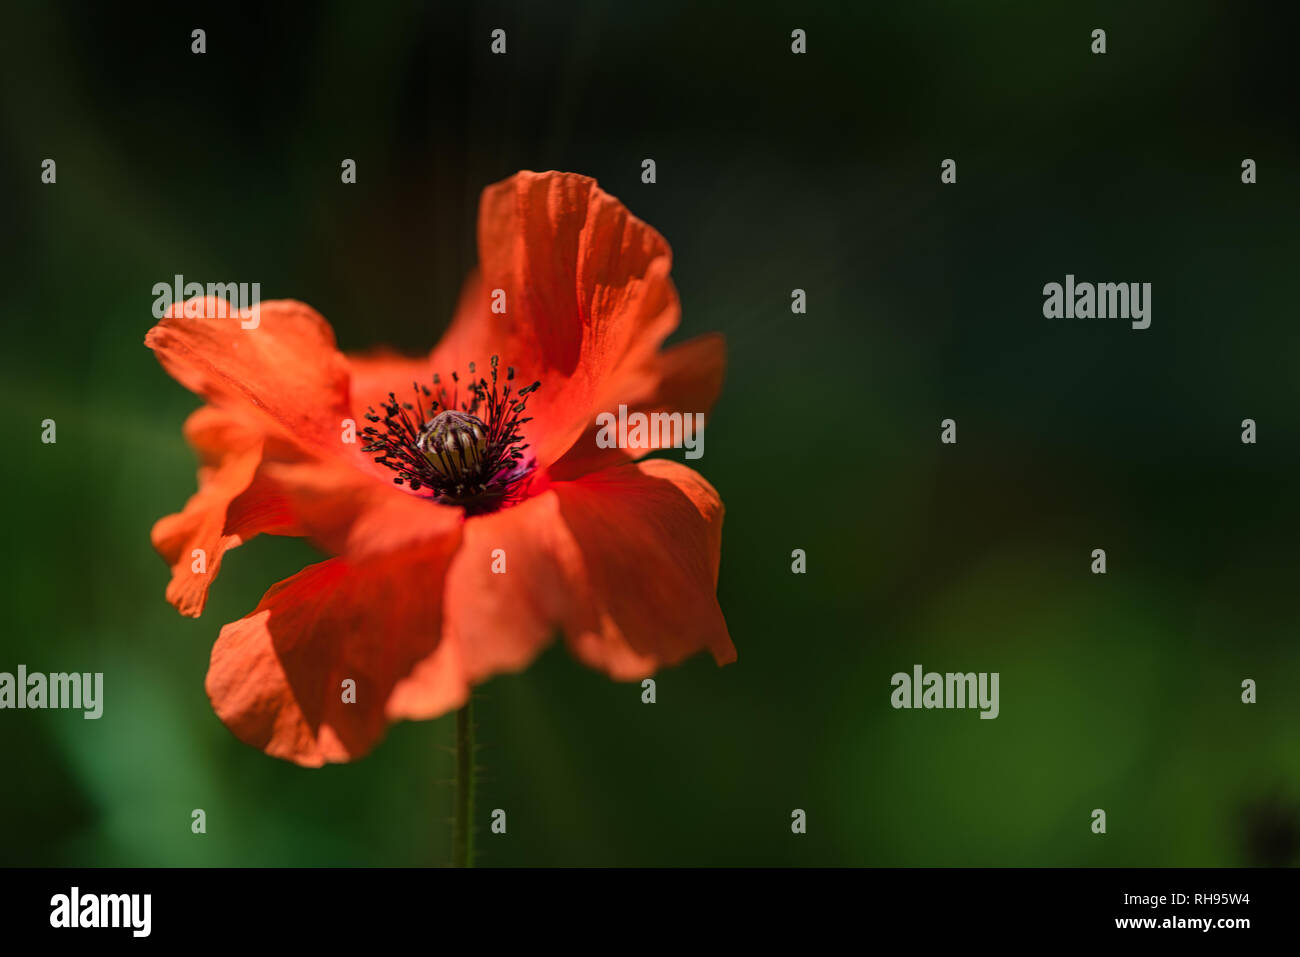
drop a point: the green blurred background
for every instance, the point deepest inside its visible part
(775, 171)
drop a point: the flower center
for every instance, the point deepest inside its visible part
(466, 451)
(454, 443)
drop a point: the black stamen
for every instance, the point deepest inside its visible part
(469, 457)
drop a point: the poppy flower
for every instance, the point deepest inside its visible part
(469, 513)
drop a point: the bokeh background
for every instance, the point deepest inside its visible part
(775, 171)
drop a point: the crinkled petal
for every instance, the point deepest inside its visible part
(285, 370)
(624, 562)
(194, 540)
(684, 380)
(585, 283)
(279, 677)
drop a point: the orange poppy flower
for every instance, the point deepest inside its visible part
(470, 512)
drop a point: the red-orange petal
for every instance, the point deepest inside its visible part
(277, 676)
(194, 540)
(346, 512)
(380, 371)
(286, 370)
(252, 483)
(623, 561)
(685, 379)
(585, 284)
